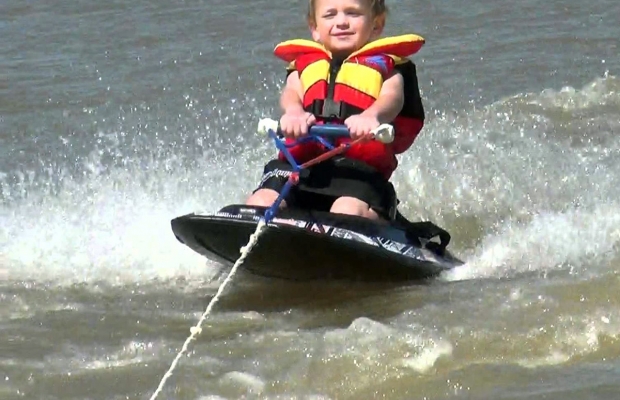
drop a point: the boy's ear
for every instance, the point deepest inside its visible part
(378, 25)
(313, 31)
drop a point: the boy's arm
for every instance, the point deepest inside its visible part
(390, 101)
(295, 120)
(290, 99)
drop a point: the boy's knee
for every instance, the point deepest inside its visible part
(263, 198)
(353, 206)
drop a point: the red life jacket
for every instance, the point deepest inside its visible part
(335, 90)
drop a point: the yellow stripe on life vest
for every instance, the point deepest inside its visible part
(399, 60)
(292, 49)
(313, 73)
(401, 46)
(361, 77)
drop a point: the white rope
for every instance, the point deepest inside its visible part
(196, 330)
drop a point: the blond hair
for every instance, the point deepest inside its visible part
(378, 7)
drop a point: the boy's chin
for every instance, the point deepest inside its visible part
(343, 50)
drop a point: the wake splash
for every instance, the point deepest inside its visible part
(107, 226)
(578, 240)
(106, 216)
(513, 182)
(534, 180)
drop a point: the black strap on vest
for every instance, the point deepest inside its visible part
(328, 109)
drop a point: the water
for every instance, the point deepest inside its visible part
(116, 117)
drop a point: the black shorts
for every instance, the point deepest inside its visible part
(321, 184)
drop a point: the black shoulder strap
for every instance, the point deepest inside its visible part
(329, 109)
(413, 107)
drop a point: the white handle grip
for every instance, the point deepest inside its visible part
(383, 133)
(267, 124)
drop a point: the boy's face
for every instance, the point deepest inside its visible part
(344, 26)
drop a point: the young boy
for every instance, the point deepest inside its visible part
(350, 76)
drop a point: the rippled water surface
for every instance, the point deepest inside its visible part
(117, 116)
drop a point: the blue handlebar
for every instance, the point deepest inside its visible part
(334, 130)
(317, 133)
(329, 130)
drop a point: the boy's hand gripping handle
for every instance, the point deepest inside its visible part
(383, 133)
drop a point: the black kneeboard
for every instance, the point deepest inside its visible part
(310, 245)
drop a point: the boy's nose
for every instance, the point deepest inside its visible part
(341, 19)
